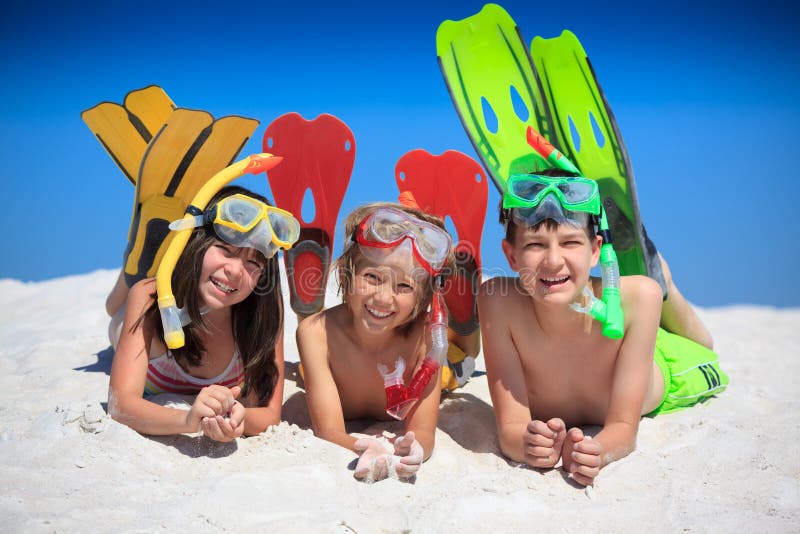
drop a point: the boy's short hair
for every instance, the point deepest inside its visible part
(549, 224)
(352, 258)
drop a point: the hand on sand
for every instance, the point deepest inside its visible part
(543, 442)
(581, 457)
(374, 460)
(410, 454)
(225, 429)
(212, 406)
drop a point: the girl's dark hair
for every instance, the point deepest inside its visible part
(347, 265)
(256, 321)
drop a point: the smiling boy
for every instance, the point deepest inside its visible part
(550, 368)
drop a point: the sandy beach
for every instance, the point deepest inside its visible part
(732, 464)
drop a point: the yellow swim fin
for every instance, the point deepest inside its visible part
(185, 153)
(125, 130)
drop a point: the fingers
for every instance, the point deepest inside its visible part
(362, 444)
(372, 467)
(376, 462)
(556, 425)
(362, 467)
(405, 469)
(542, 429)
(575, 435)
(237, 414)
(221, 429)
(403, 444)
(584, 457)
(218, 399)
(380, 467)
(541, 443)
(582, 479)
(414, 454)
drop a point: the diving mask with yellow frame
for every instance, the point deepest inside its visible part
(244, 227)
(243, 221)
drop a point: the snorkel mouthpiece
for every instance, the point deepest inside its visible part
(608, 311)
(168, 307)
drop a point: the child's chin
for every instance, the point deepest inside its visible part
(557, 295)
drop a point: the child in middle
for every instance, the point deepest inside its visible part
(388, 274)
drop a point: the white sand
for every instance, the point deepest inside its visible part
(729, 465)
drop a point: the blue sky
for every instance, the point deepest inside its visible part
(705, 96)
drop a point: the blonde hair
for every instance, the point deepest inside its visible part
(346, 266)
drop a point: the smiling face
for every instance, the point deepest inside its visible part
(383, 297)
(553, 261)
(228, 275)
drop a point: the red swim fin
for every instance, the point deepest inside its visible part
(318, 156)
(452, 184)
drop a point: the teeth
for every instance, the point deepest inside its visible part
(377, 313)
(223, 287)
(556, 280)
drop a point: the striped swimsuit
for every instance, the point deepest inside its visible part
(164, 375)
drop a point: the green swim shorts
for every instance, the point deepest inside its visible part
(691, 372)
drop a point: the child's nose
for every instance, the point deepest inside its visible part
(384, 292)
(553, 257)
(234, 266)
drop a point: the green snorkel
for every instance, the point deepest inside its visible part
(607, 309)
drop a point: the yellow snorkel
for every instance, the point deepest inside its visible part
(170, 314)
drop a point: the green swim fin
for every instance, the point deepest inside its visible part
(185, 153)
(587, 133)
(495, 90)
(125, 130)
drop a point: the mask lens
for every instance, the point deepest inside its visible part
(240, 213)
(527, 189)
(577, 191)
(388, 226)
(285, 228)
(433, 247)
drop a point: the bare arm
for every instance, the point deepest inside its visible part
(584, 457)
(129, 373)
(632, 370)
(322, 395)
(258, 418)
(504, 371)
(422, 420)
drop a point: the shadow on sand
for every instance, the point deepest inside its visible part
(103, 363)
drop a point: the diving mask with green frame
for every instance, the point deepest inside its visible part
(530, 199)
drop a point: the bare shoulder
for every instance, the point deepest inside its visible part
(315, 327)
(314, 333)
(640, 295)
(143, 290)
(141, 296)
(500, 291)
